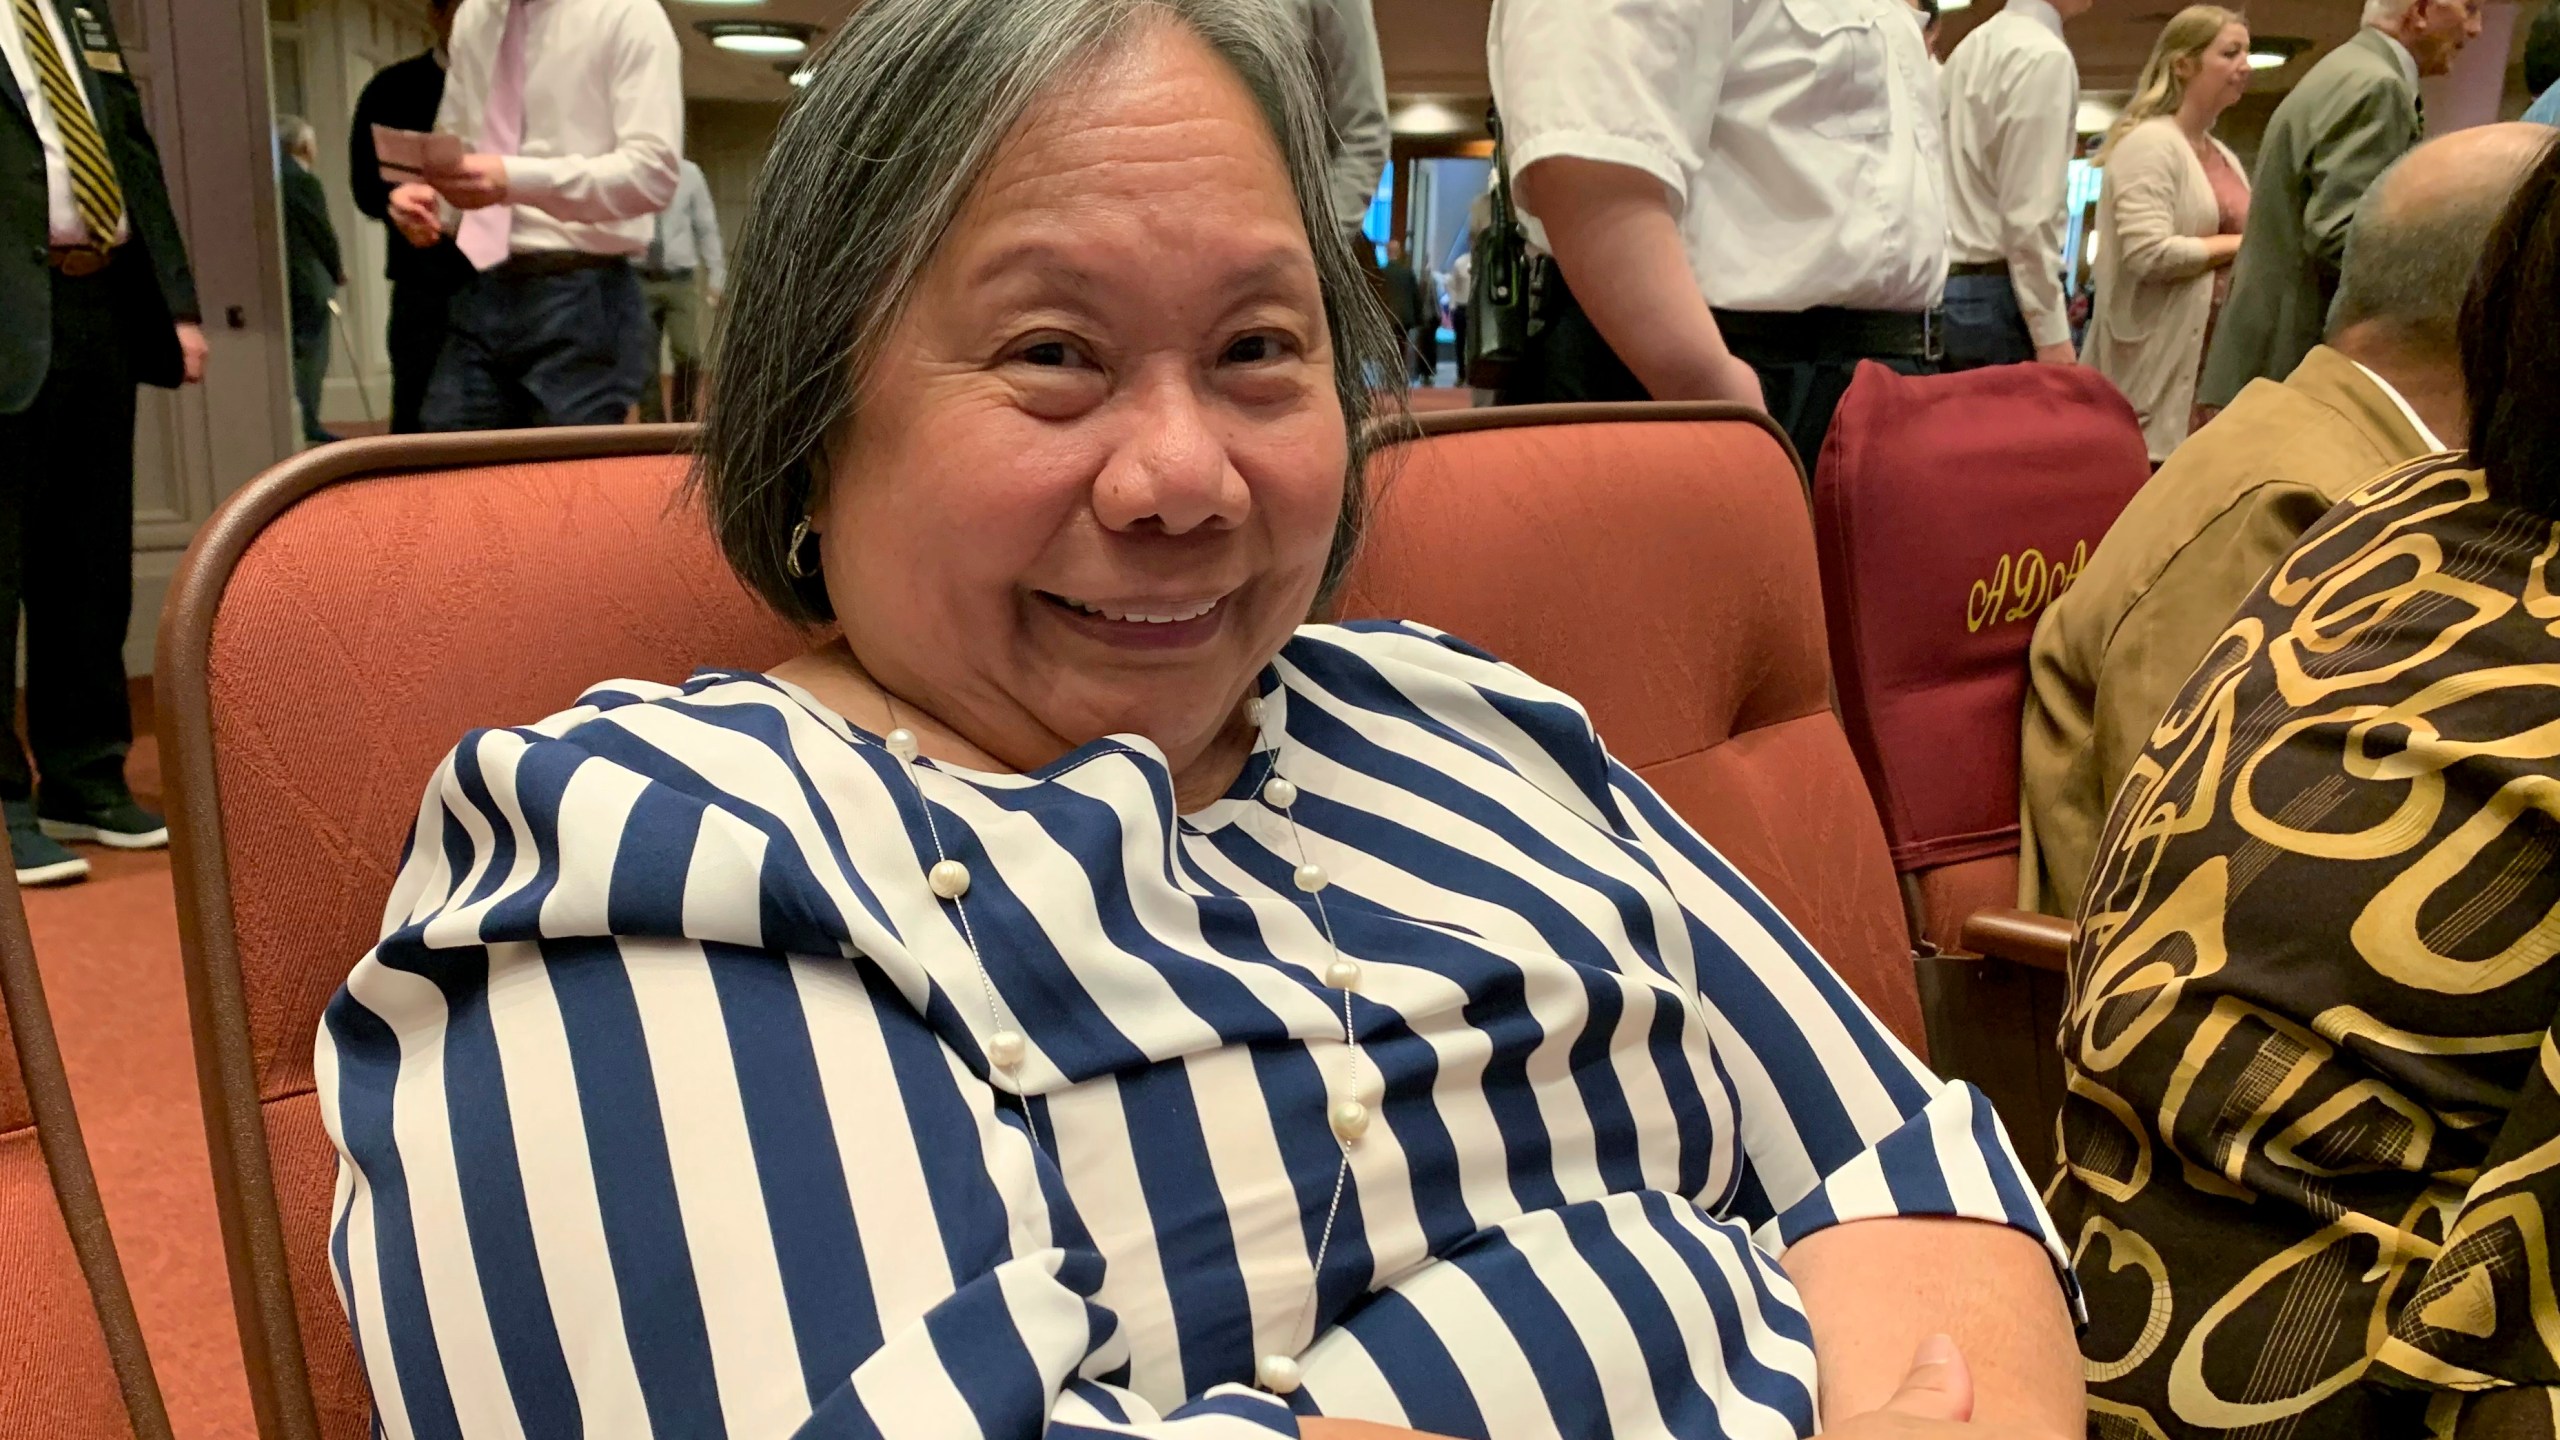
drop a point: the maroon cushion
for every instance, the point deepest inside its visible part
(1949, 510)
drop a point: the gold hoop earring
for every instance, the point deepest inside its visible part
(792, 564)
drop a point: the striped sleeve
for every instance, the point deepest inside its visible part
(620, 1179)
(1838, 1121)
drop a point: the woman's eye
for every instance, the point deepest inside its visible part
(1048, 352)
(1253, 350)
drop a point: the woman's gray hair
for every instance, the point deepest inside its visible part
(904, 111)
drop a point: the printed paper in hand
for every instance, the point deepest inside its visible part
(408, 155)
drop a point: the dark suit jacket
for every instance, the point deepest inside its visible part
(312, 270)
(1402, 292)
(154, 286)
(403, 96)
(2325, 145)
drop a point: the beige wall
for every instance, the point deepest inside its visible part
(321, 54)
(728, 138)
(202, 68)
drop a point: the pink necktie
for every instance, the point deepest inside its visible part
(483, 236)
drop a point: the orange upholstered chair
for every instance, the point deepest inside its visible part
(1655, 561)
(1950, 510)
(349, 615)
(334, 630)
(72, 1363)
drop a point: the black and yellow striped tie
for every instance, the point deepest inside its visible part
(94, 191)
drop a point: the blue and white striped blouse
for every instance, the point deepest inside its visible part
(665, 1106)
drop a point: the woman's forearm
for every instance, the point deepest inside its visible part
(1874, 1289)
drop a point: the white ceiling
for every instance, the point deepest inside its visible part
(1436, 47)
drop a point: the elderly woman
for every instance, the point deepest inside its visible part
(1078, 999)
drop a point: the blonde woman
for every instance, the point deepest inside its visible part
(2169, 220)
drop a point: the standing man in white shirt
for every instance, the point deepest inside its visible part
(573, 111)
(2013, 101)
(1742, 199)
(683, 272)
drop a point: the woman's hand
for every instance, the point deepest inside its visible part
(1935, 1402)
(1875, 1289)
(2220, 250)
(1319, 1428)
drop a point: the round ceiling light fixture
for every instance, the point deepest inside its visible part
(758, 37)
(2274, 52)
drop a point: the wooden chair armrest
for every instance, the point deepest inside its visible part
(2020, 937)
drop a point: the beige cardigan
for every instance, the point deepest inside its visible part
(2154, 281)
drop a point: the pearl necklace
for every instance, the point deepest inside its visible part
(1347, 1116)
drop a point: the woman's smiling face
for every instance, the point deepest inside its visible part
(1093, 476)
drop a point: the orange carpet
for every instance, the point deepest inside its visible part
(109, 951)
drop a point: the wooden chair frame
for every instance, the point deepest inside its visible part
(66, 1159)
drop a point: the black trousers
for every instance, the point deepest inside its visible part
(420, 315)
(66, 555)
(1802, 375)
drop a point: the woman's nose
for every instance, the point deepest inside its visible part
(1171, 472)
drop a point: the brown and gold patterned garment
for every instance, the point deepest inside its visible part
(2312, 1143)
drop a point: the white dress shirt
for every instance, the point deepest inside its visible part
(62, 217)
(689, 231)
(603, 118)
(2402, 402)
(2013, 97)
(1343, 38)
(1799, 138)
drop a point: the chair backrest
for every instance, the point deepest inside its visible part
(1656, 562)
(1950, 510)
(75, 1366)
(335, 628)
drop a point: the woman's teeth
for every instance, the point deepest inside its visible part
(1141, 617)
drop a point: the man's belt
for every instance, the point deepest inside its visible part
(1816, 334)
(1979, 269)
(557, 262)
(78, 262)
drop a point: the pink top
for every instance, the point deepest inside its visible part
(2231, 197)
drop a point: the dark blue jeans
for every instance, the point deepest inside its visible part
(528, 349)
(310, 360)
(1984, 326)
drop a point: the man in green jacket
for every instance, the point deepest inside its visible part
(2354, 114)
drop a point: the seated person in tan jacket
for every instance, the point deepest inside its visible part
(2112, 652)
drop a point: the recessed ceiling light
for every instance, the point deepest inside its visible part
(748, 37)
(1947, 5)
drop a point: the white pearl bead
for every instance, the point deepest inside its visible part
(1280, 793)
(1253, 710)
(1005, 1048)
(1350, 1119)
(1343, 975)
(901, 743)
(949, 879)
(1277, 1374)
(1311, 877)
